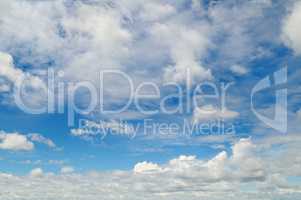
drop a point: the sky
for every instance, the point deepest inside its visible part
(136, 99)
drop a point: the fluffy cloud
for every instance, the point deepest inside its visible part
(15, 142)
(152, 41)
(9, 72)
(36, 173)
(186, 46)
(154, 11)
(81, 40)
(145, 167)
(233, 175)
(292, 30)
(19, 83)
(67, 170)
(238, 69)
(98, 32)
(242, 165)
(246, 162)
(41, 139)
(239, 39)
(20, 142)
(209, 112)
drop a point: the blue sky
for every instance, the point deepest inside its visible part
(154, 47)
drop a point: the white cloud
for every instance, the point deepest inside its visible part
(291, 29)
(185, 47)
(8, 70)
(238, 69)
(41, 139)
(36, 173)
(242, 165)
(244, 156)
(153, 11)
(81, 41)
(238, 39)
(18, 79)
(5, 6)
(105, 36)
(236, 175)
(15, 142)
(209, 112)
(98, 32)
(20, 142)
(152, 41)
(217, 165)
(243, 149)
(67, 170)
(145, 167)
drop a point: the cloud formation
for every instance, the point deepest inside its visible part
(291, 28)
(20, 142)
(240, 174)
(153, 41)
(15, 142)
(41, 139)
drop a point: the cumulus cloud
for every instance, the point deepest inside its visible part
(186, 46)
(20, 142)
(242, 165)
(291, 29)
(151, 40)
(98, 32)
(15, 75)
(41, 139)
(36, 173)
(89, 37)
(67, 170)
(15, 142)
(155, 41)
(238, 69)
(154, 11)
(107, 35)
(18, 83)
(249, 166)
(225, 176)
(145, 167)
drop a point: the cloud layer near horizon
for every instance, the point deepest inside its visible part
(248, 172)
